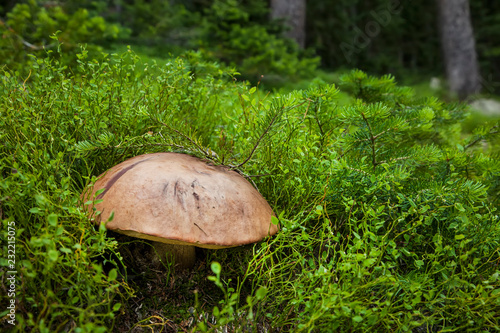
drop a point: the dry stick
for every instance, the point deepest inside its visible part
(247, 177)
(264, 175)
(209, 156)
(396, 159)
(24, 83)
(24, 41)
(480, 138)
(200, 149)
(307, 109)
(147, 145)
(357, 170)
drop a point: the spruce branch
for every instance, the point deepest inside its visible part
(317, 108)
(385, 131)
(372, 139)
(274, 118)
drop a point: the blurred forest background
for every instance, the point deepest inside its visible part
(387, 196)
(276, 41)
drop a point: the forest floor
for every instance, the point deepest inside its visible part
(486, 106)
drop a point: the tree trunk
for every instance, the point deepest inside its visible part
(459, 48)
(293, 12)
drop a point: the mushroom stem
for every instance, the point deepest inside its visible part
(183, 256)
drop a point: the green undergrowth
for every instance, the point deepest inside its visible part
(387, 211)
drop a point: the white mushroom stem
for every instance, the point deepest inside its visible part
(183, 256)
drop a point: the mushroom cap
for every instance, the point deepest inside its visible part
(180, 199)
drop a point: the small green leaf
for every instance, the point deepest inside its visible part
(216, 268)
(59, 231)
(53, 255)
(96, 194)
(113, 274)
(458, 237)
(117, 306)
(52, 218)
(111, 216)
(357, 319)
(260, 294)
(459, 207)
(369, 262)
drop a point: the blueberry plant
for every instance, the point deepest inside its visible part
(388, 212)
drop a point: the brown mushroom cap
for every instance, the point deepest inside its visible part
(179, 199)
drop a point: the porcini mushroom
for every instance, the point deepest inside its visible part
(179, 201)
